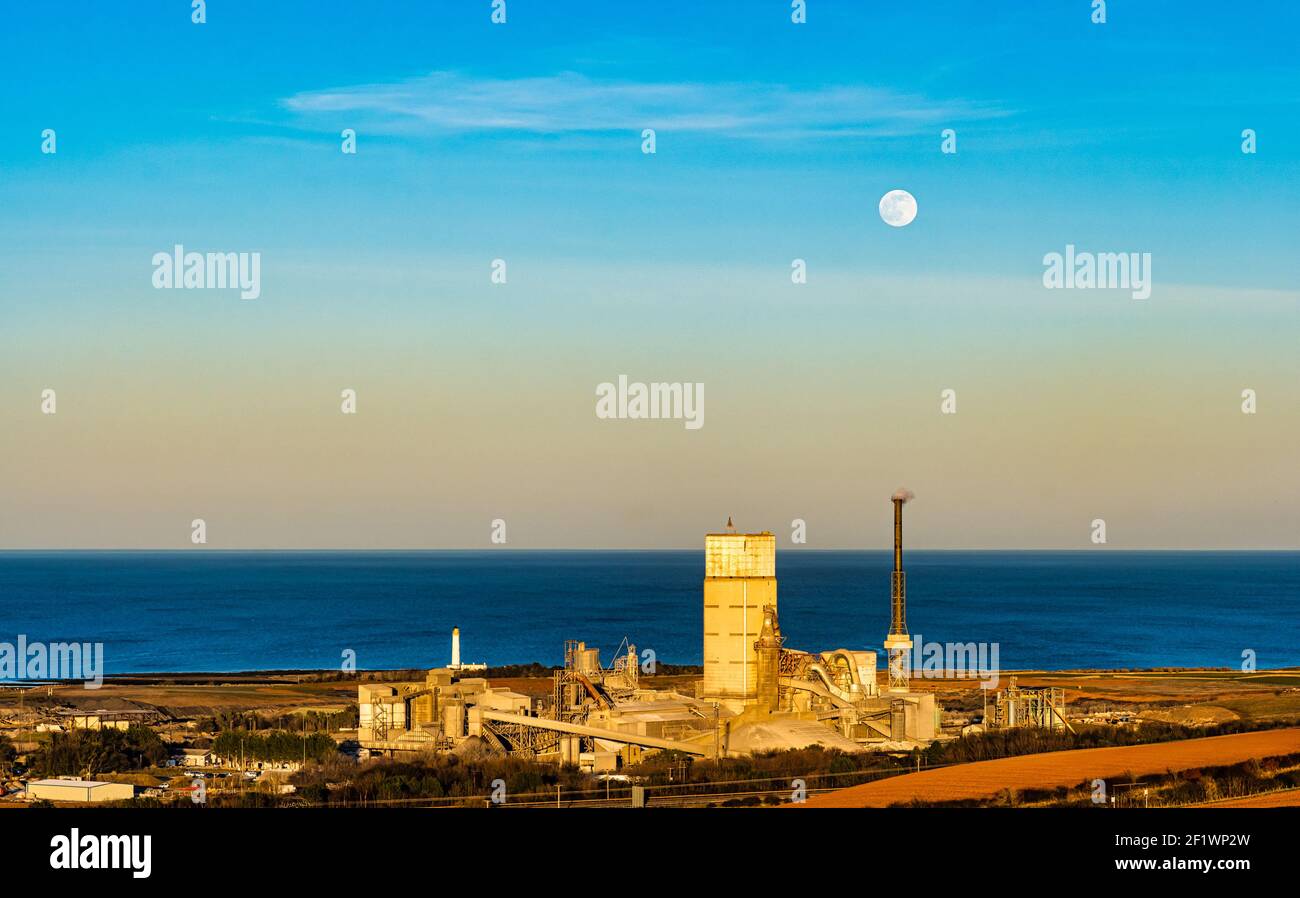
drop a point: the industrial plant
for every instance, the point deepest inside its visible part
(756, 693)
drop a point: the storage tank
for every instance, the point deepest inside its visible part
(453, 720)
(587, 660)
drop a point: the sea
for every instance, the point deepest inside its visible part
(227, 611)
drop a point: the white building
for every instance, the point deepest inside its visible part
(78, 790)
(197, 757)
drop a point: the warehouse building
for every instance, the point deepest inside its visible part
(78, 790)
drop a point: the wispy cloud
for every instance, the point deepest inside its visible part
(571, 103)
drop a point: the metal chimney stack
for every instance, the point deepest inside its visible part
(898, 643)
(898, 580)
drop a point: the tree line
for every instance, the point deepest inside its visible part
(275, 746)
(92, 752)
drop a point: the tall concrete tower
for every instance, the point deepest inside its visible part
(898, 643)
(739, 582)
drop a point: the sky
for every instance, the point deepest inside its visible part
(523, 142)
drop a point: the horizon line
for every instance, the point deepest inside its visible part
(885, 549)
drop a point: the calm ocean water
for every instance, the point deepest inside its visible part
(228, 611)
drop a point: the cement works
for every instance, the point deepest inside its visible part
(756, 693)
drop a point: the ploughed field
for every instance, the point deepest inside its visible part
(985, 779)
(1289, 798)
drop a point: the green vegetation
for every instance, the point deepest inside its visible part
(1026, 741)
(1213, 783)
(91, 752)
(446, 779)
(533, 671)
(275, 746)
(137, 802)
(7, 755)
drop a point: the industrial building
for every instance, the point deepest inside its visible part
(438, 713)
(756, 694)
(749, 670)
(78, 790)
(116, 719)
(739, 586)
(1016, 707)
(595, 716)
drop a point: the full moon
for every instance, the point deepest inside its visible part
(897, 208)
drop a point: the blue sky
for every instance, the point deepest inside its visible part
(1126, 132)
(523, 142)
